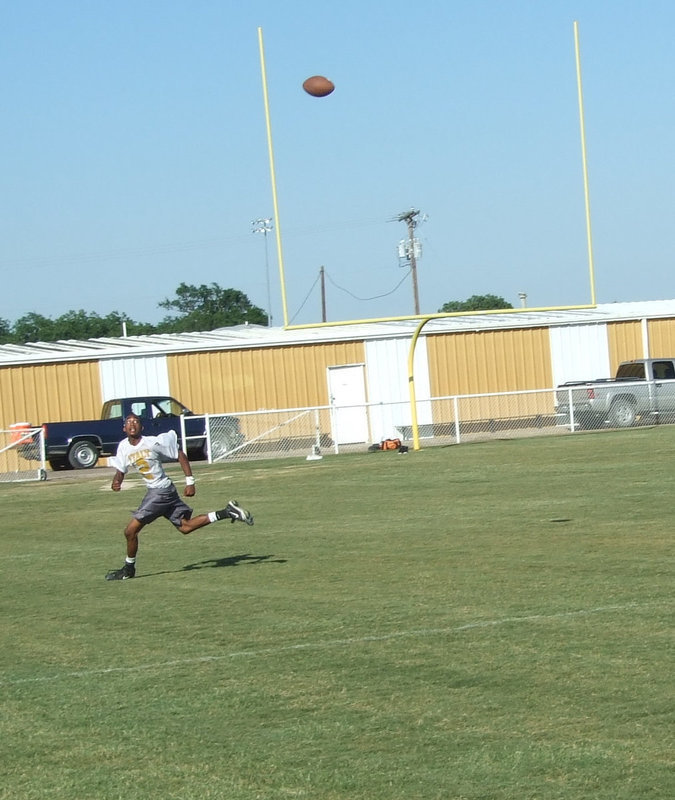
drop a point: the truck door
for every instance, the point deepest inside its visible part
(664, 386)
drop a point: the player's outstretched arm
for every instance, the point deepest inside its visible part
(189, 490)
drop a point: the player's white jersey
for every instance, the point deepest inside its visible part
(147, 457)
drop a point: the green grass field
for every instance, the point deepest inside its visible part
(479, 621)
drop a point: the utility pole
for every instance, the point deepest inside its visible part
(323, 294)
(264, 226)
(411, 250)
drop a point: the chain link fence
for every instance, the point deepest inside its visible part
(455, 419)
(480, 417)
(22, 455)
(313, 432)
(266, 434)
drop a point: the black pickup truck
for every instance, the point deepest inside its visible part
(80, 444)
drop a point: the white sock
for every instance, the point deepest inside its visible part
(212, 516)
(131, 560)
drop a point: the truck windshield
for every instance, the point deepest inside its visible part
(631, 372)
(168, 407)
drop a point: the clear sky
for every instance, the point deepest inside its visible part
(134, 152)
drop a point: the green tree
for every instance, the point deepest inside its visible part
(477, 302)
(204, 308)
(33, 327)
(5, 331)
(81, 325)
(199, 308)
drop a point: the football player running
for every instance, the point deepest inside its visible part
(146, 454)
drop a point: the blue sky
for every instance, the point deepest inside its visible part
(135, 152)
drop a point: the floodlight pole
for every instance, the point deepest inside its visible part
(410, 219)
(264, 226)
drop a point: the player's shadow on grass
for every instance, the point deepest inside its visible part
(233, 561)
(226, 561)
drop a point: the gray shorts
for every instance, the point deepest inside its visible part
(162, 503)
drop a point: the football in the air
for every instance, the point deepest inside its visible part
(318, 86)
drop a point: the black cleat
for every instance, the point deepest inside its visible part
(235, 512)
(123, 574)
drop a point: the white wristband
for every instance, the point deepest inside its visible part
(189, 480)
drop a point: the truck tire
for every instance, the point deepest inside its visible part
(622, 413)
(83, 455)
(218, 448)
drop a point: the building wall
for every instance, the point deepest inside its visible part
(387, 378)
(296, 376)
(579, 352)
(489, 361)
(661, 338)
(252, 379)
(38, 393)
(625, 342)
(126, 377)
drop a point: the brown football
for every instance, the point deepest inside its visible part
(318, 86)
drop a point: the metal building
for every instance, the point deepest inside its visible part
(247, 368)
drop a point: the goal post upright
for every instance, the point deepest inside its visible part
(582, 125)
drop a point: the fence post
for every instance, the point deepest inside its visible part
(317, 429)
(315, 455)
(207, 432)
(333, 423)
(458, 435)
(573, 426)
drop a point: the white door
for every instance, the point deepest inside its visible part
(347, 393)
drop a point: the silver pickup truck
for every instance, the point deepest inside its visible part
(643, 390)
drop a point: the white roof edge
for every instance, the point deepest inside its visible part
(257, 336)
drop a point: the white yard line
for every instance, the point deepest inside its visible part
(325, 644)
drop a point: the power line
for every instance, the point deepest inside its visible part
(346, 291)
(302, 305)
(375, 297)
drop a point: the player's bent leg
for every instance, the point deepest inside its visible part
(234, 512)
(131, 534)
(128, 570)
(188, 525)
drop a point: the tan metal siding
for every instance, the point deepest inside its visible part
(624, 341)
(50, 393)
(489, 361)
(661, 338)
(248, 380)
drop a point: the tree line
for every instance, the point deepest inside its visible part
(193, 308)
(477, 302)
